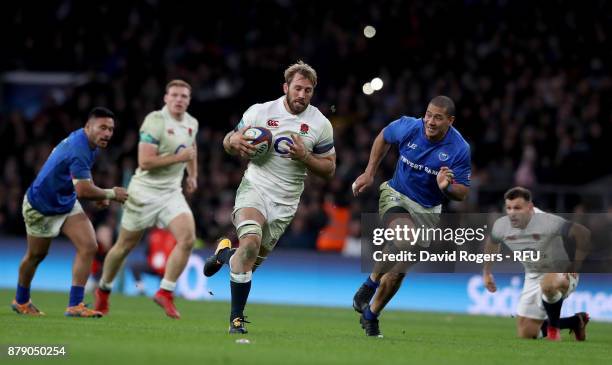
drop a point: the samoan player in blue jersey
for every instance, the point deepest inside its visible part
(433, 165)
(50, 205)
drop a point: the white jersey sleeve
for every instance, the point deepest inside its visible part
(325, 144)
(499, 227)
(250, 117)
(550, 223)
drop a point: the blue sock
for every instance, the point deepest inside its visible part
(368, 314)
(23, 294)
(76, 295)
(372, 284)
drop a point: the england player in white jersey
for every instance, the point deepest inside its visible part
(526, 228)
(269, 193)
(167, 148)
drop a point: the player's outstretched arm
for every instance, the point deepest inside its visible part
(487, 276)
(86, 189)
(148, 158)
(582, 236)
(379, 150)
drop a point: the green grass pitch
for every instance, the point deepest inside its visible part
(137, 332)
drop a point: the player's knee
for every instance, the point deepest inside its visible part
(527, 331)
(123, 246)
(186, 244)
(550, 289)
(35, 257)
(527, 334)
(250, 249)
(88, 248)
(395, 277)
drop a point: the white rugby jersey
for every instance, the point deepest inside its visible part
(277, 175)
(543, 233)
(170, 136)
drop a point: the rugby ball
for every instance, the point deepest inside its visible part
(261, 139)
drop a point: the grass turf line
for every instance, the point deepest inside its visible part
(138, 332)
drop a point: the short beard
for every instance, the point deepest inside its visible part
(290, 104)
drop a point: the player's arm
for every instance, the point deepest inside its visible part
(151, 134)
(192, 171)
(84, 186)
(491, 247)
(149, 159)
(86, 189)
(379, 150)
(323, 166)
(454, 183)
(453, 191)
(582, 236)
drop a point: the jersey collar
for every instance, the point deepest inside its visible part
(167, 115)
(84, 140)
(422, 131)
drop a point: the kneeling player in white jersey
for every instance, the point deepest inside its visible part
(270, 191)
(167, 148)
(526, 228)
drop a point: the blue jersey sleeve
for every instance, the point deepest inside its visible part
(79, 167)
(462, 167)
(397, 130)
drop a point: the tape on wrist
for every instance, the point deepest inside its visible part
(110, 193)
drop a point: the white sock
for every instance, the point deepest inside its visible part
(105, 286)
(167, 285)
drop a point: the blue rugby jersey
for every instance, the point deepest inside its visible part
(420, 160)
(52, 192)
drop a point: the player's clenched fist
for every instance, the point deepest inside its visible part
(186, 154)
(445, 177)
(363, 182)
(297, 149)
(489, 282)
(121, 194)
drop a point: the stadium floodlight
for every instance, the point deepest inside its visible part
(377, 83)
(367, 88)
(369, 31)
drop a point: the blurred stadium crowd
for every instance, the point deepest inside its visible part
(531, 85)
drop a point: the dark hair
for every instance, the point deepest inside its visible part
(518, 192)
(100, 112)
(445, 102)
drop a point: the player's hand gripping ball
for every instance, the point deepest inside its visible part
(261, 139)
